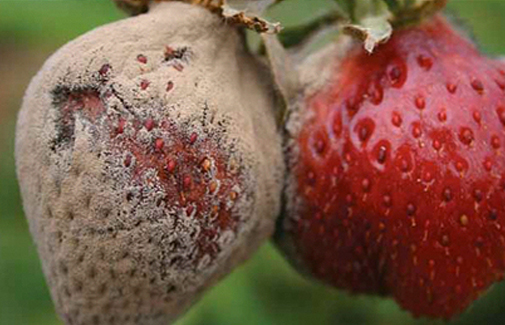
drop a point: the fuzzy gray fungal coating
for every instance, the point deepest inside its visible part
(298, 80)
(149, 164)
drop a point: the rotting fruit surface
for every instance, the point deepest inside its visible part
(149, 164)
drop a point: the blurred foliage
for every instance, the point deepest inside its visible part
(265, 290)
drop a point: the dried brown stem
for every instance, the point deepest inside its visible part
(236, 17)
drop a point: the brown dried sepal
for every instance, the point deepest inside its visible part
(258, 24)
(240, 17)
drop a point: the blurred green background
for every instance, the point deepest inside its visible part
(263, 291)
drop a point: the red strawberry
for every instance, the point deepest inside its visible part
(397, 182)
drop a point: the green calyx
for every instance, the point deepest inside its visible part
(373, 21)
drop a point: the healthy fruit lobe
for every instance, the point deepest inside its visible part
(397, 173)
(149, 164)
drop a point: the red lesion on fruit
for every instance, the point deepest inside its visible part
(170, 86)
(193, 173)
(149, 124)
(70, 104)
(172, 54)
(176, 57)
(177, 66)
(142, 58)
(120, 127)
(87, 102)
(144, 84)
(104, 71)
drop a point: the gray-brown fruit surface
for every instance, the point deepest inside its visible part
(149, 163)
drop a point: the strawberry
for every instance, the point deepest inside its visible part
(397, 170)
(149, 164)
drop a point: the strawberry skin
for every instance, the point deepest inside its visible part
(397, 182)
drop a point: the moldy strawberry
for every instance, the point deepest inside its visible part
(149, 163)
